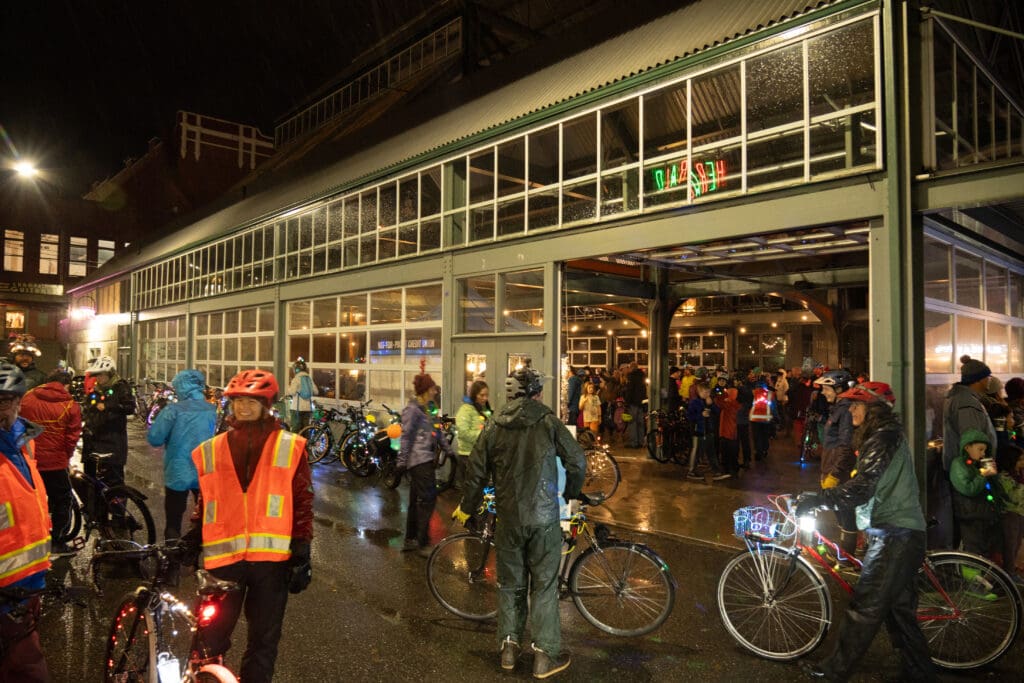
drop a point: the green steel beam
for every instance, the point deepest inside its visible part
(970, 188)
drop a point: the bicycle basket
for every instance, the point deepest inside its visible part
(763, 521)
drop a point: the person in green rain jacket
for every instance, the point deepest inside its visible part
(975, 497)
(517, 450)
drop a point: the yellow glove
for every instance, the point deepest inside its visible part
(459, 515)
(831, 481)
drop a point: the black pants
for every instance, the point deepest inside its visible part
(263, 597)
(730, 455)
(422, 497)
(175, 503)
(58, 493)
(743, 436)
(885, 594)
(762, 439)
(112, 473)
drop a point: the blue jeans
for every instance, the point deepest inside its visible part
(635, 429)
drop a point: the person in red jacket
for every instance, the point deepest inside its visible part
(255, 519)
(51, 407)
(728, 409)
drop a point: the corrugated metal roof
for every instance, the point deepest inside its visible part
(692, 29)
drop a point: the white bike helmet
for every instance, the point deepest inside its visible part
(524, 382)
(101, 364)
(12, 381)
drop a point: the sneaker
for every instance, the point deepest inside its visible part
(719, 476)
(545, 665)
(410, 545)
(693, 475)
(509, 653)
(425, 550)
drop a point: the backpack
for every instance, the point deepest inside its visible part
(305, 387)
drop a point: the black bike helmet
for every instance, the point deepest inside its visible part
(524, 382)
(12, 380)
(840, 379)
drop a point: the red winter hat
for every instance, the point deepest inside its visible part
(421, 383)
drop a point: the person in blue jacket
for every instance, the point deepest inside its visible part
(179, 428)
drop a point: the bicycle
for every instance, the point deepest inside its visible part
(810, 445)
(668, 436)
(322, 445)
(151, 627)
(603, 474)
(114, 511)
(776, 605)
(620, 587)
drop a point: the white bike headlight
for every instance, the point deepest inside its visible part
(807, 523)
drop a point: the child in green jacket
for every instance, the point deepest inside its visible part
(975, 496)
(1010, 460)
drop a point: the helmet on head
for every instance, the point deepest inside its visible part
(300, 364)
(524, 382)
(24, 343)
(869, 392)
(701, 373)
(101, 364)
(12, 380)
(258, 384)
(840, 379)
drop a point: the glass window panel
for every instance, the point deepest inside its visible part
(325, 380)
(995, 290)
(267, 318)
(481, 223)
(202, 325)
(620, 134)
(407, 240)
(997, 343)
(1017, 350)
(265, 347)
(455, 184)
(368, 211)
(387, 244)
(543, 210)
(481, 176)
(319, 228)
(579, 147)
(524, 301)
(476, 304)
(386, 347)
(423, 303)
(202, 352)
(511, 217)
(968, 280)
(746, 345)
(779, 158)
(716, 106)
(407, 191)
(386, 306)
(325, 348)
(620, 192)
(543, 157)
(1016, 286)
(231, 348)
(771, 345)
(420, 343)
(715, 341)
(775, 89)
(351, 214)
(430, 191)
(298, 315)
(666, 182)
(352, 347)
(841, 68)
(367, 249)
(936, 270)
(335, 221)
(665, 121)
(969, 337)
(353, 309)
(512, 167)
(334, 260)
(215, 376)
(351, 252)
(712, 359)
(216, 323)
(387, 203)
(579, 202)
(214, 347)
(430, 235)
(247, 350)
(230, 323)
(291, 242)
(325, 312)
(298, 345)
(843, 143)
(352, 385)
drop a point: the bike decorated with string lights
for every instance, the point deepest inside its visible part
(774, 600)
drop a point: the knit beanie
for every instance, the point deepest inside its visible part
(972, 370)
(422, 382)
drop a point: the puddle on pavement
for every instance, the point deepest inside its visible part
(378, 537)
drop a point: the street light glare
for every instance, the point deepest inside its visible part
(26, 169)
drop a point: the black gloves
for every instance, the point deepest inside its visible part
(189, 547)
(807, 502)
(301, 568)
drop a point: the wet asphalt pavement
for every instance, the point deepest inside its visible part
(369, 616)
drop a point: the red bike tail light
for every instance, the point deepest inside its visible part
(207, 613)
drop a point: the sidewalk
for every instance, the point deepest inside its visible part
(658, 498)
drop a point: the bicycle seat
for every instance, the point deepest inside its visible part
(100, 456)
(211, 585)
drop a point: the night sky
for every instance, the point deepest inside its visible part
(87, 84)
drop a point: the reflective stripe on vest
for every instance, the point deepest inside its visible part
(6, 516)
(25, 521)
(210, 512)
(207, 447)
(22, 560)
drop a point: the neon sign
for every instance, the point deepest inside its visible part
(704, 177)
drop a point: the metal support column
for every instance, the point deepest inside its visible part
(659, 316)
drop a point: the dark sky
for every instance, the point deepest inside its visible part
(83, 85)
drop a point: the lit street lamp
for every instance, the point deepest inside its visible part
(26, 169)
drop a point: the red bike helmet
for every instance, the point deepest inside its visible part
(259, 384)
(870, 392)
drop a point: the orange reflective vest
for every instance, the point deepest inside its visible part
(761, 410)
(255, 525)
(24, 521)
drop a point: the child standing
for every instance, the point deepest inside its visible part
(974, 496)
(703, 415)
(1010, 460)
(590, 407)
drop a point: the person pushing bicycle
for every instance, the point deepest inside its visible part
(884, 493)
(518, 450)
(25, 541)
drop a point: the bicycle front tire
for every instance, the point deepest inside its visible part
(462, 575)
(772, 607)
(603, 474)
(987, 603)
(358, 458)
(658, 446)
(126, 516)
(319, 441)
(74, 523)
(622, 588)
(215, 673)
(128, 642)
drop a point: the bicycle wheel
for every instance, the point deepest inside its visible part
(774, 604)
(358, 457)
(74, 523)
(128, 644)
(215, 673)
(126, 516)
(682, 444)
(622, 588)
(319, 441)
(602, 474)
(968, 609)
(657, 446)
(462, 574)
